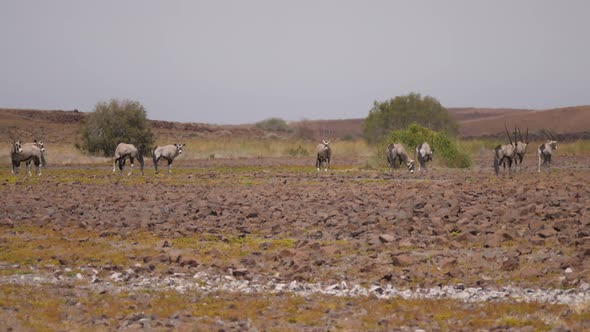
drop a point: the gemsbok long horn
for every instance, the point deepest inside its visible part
(508, 134)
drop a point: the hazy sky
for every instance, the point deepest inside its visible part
(243, 61)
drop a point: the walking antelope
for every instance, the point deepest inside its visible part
(505, 153)
(545, 151)
(521, 146)
(127, 151)
(396, 155)
(168, 152)
(423, 154)
(27, 153)
(324, 153)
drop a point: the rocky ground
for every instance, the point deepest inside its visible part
(271, 244)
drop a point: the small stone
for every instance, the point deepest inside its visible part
(239, 272)
(402, 260)
(510, 264)
(386, 238)
(7, 223)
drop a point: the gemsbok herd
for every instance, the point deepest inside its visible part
(514, 151)
(504, 155)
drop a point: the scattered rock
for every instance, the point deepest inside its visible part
(386, 238)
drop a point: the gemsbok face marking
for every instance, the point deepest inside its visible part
(424, 155)
(324, 153)
(396, 155)
(39, 144)
(505, 153)
(15, 148)
(168, 152)
(123, 151)
(545, 151)
(26, 153)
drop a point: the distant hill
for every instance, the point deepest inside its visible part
(568, 122)
(59, 126)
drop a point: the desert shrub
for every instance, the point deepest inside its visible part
(347, 137)
(445, 149)
(400, 112)
(299, 151)
(115, 122)
(274, 124)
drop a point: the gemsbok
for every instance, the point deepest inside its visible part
(168, 152)
(545, 151)
(396, 155)
(123, 151)
(324, 153)
(521, 146)
(504, 153)
(15, 148)
(40, 145)
(27, 154)
(424, 155)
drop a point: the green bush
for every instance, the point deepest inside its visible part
(115, 122)
(273, 124)
(400, 112)
(445, 149)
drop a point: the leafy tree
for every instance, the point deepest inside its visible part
(400, 112)
(115, 122)
(274, 124)
(445, 150)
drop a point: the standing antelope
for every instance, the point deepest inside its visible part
(15, 149)
(521, 146)
(27, 154)
(503, 153)
(40, 145)
(423, 154)
(324, 153)
(396, 154)
(168, 152)
(127, 150)
(545, 151)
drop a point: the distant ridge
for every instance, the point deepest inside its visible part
(570, 122)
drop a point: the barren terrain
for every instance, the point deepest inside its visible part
(271, 244)
(261, 243)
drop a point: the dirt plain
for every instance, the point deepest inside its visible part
(81, 248)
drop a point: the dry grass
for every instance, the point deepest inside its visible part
(249, 148)
(228, 147)
(48, 308)
(67, 154)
